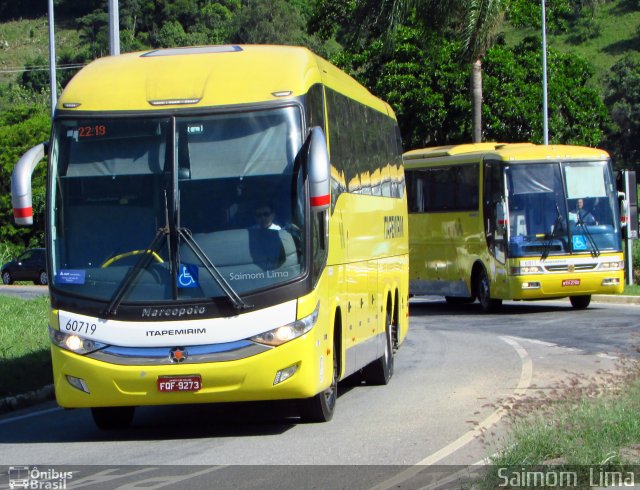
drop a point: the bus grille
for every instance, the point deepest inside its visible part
(565, 267)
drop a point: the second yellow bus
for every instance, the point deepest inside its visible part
(513, 221)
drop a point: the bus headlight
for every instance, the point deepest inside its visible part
(612, 266)
(528, 269)
(285, 333)
(73, 342)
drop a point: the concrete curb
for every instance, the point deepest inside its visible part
(27, 399)
(619, 299)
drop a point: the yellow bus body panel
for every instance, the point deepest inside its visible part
(253, 73)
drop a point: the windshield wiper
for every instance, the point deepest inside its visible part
(141, 264)
(237, 301)
(593, 248)
(557, 224)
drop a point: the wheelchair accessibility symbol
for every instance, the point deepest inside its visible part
(579, 242)
(188, 276)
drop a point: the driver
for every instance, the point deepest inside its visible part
(264, 216)
(583, 214)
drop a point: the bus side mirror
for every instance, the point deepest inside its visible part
(502, 221)
(21, 196)
(318, 170)
(628, 200)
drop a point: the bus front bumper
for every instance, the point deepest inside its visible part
(547, 286)
(250, 379)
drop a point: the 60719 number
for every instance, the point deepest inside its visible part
(78, 326)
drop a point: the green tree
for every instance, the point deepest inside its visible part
(94, 31)
(483, 19)
(422, 79)
(36, 74)
(172, 35)
(473, 22)
(513, 79)
(270, 22)
(622, 96)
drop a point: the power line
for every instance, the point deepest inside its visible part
(41, 68)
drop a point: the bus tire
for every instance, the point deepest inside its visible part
(320, 408)
(483, 293)
(580, 302)
(113, 418)
(459, 300)
(380, 371)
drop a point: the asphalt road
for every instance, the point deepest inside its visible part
(442, 407)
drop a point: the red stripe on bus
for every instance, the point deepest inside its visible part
(320, 200)
(22, 212)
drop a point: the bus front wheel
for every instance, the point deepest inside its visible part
(580, 302)
(483, 293)
(112, 418)
(320, 408)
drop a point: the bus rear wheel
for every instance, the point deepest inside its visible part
(320, 408)
(580, 302)
(379, 372)
(112, 418)
(483, 293)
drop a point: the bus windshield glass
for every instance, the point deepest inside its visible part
(176, 208)
(564, 208)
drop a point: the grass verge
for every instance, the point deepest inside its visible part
(632, 290)
(25, 361)
(589, 428)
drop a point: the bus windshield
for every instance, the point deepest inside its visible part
(563, 208)
(172, 208)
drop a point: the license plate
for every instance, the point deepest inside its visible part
(571, 282)
(179, 383)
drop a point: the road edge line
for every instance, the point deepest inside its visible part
(526, 376)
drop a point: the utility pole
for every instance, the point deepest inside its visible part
(545, 112)
(52, 60)
(114, 28)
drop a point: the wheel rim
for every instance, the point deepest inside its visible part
(6, 278)
(330, 393)
(43, 278)
(388, 350)
(483, 290)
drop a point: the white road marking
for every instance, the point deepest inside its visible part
(526, 375)
(30, 415)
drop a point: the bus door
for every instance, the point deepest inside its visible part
(496, 212)
(497, 222)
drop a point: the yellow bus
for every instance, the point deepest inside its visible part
(499, 221)
(224, 224)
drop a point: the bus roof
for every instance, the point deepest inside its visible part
(205, 76)
(511, 152)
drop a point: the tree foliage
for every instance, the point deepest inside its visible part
(422, 80)
(513, 97)
(622, 96)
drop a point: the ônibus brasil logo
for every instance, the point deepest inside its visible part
(27, 477)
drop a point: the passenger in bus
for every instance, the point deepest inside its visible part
(264, 216)
(583, 215)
